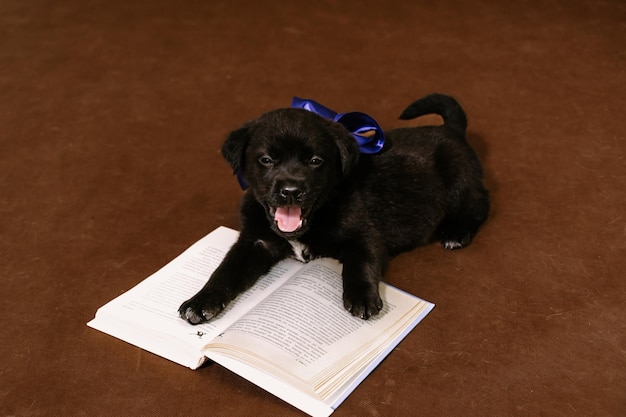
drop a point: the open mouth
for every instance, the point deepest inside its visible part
(288, 219)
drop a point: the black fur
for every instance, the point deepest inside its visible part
(360, 209)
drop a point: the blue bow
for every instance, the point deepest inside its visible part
(368, 134)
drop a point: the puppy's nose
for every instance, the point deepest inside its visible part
(290, 191)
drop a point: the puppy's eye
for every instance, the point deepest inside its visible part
(316, 161)
(266, 161)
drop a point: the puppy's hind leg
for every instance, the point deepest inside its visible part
(460, 225)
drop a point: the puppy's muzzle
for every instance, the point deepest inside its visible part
(288, 208)
(290, 194)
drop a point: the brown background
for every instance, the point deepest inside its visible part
(111, 118)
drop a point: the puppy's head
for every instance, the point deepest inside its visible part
(292, 160)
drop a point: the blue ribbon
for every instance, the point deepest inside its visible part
(368, 134)
(365, 130)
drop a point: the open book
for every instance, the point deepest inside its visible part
(288, 334)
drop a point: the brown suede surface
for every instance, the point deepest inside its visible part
(112, 114)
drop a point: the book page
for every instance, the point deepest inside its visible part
(151, 307)
(302, 329)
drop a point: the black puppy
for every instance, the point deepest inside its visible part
(312, 194)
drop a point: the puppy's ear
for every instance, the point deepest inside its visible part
(234, 148)
(348, 152)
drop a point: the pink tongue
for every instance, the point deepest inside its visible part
(288, 218)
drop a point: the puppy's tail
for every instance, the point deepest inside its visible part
(445, 106)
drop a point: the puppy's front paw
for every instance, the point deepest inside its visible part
(202, 307)
(363, 304)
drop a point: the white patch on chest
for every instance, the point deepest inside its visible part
(300, 251)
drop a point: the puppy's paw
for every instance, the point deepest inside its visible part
(362, 304)
(202, 307)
